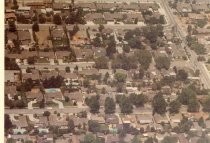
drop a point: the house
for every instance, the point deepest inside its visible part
(83, 54)
(74, 96)
(60, 121)
(175, 119)
(12, 76)
(60, 6)
(99, 52)
(36, 5)
(207, 122)
(94, 18)
(70, 79)
(160, 118)
(24, 37)
(98, 118)
(53, 93)
(46, 58)
(88, 72)
(133, 17)
(194, 16)
(34, 75)
(20, 122)
(10, 15)
(182, 138)
(130, 7)
(195, 127)
(184, 7)
(25, 11)
(113, 17)
(90, 7)
(106, 6)
(35, 93)
(80, 121)
(111, 119)
(43, 122)
(10, 91)
(144, 118)
(62, 140)
(49, 74)
(200, 7)
(62, 57)
(166, 90)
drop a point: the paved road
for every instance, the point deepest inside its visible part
(40, 111)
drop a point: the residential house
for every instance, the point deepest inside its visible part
(129, 7)
(110, 138)
(80, 122)
(34, 75)
(70, 79)
(24, 11)
(113, 17)
(48, 74)
(35, 93)
(43, 122)
(83, 54)
(10, 91)
(75, 97)
(63, 57)
(144, 118)
(160, 118)
(200, 7)
(182, 138)
(12, 76)
(175, 119)
(90, 7)
(184, 7)
(195, 127)
(98, 118)
(21, 124)
(59, 121)
(36, 5)
(10, 15)
(92, 18)
(131, 18)
(53, 93)
(99, 52)
(24, 37)
(62, 140)
(88, 72)
(106, 6)
(46, 58)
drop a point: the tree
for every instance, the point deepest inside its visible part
(31, 60)
(144, 58)
(135, 140)
(12, 26)
(189, 29)
(193, 105)
(101, 27)
(182, 75)
(35, 27)
(184, 125)
(111, 49)
(46, 113)
(93, 126)
(42, 19)
(7, 122)
(126, 48)
(137, 99)
(120, 77)
(96, 41)
(206, 105)
(101, 63)
(15, 4)
(162, 62)
(71, 126)
(57, 19)
(109, 106)
(186, 95)
(86, 83)
(125, 105)
(67, 69)
(93, 103)
(201, 122)
(169, 139)
(174, 106)
(159, 104)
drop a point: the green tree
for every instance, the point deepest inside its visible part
(101, 27)
(46, 113)
(93, 126)
(174, 106)
(35, 27)
(120, 77)
(7, 122)
(193, 105)
(71, 126)
(201, 122)
(182, 75)
(101, 63)
(185, 125)
(162, 62)
(109, 105)
(93, 103)
(186, 95)
(206, 105)
(125, 105)
(137, 99)
(57, 19)
(135, 140)
(169, 139)
(159, 104)
(67, 69)
(144, 58)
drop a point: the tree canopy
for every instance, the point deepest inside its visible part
(159, 104)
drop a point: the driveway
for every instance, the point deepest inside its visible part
(60, 104)
(30, 104)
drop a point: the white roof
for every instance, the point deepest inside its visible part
(27, 8)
